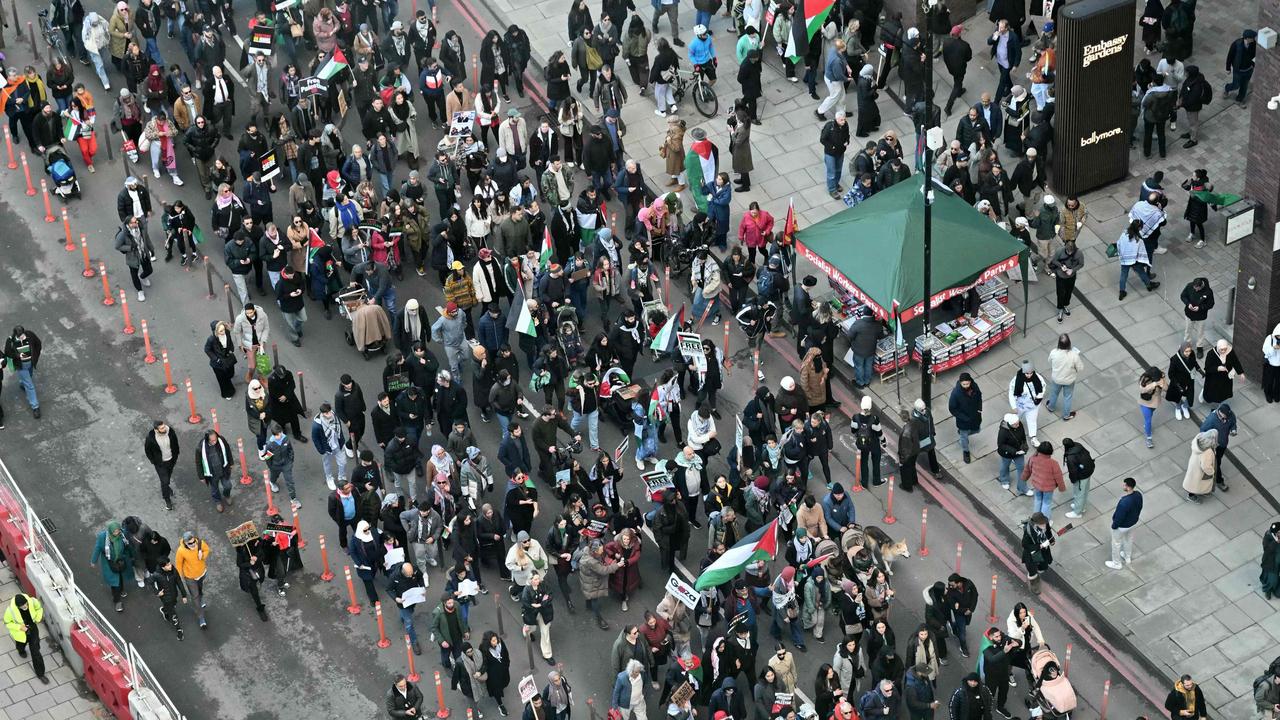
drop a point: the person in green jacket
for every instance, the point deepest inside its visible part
(113, 556)
(22, 618)
(451, 628)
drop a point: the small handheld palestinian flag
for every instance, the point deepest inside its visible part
(336, 64)
(622, 448)
(525, 322)
(546, 253)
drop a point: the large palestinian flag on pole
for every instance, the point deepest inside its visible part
(759, 545)
(810, 16)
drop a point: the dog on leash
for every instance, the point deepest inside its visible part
(884, 548)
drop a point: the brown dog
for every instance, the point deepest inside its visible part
(884, 548)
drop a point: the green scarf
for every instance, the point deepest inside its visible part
(114, 545)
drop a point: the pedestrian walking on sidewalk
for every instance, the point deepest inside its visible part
(965, 405)
(329, 438)
(1123, 521)
(213, 466)
(1065, 365)
(962, 600)
(192, 563)
(1152, 386)
(1011, 446)
(1270, 577)
(22, 618)
(1186, 700)
(22, 350)
(113, 556)
(1026, 390)
(1197, 301)
(1221, 368)
(1080, 465)
(1183, 369)
(1201, 466)
(1133, 256)
(1045, 476)
(168, 586)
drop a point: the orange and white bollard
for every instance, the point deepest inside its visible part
(84, 250)
(889, 519)
(124, 308)
(66, 228)
(266, 486)
(48, 207)
(169, 387)
(857, 471)
(8, 146)
(26, 171)
(194, 418)
(412, 675)
(383, 642)
(1106, 700)
(150, 357)
(354, 607)
(1066, 661)
(244, 466)
(213, 418)
(991, 616)
(959, 555)
(443, 711)
(327, 575)
(106, 286)
(666, 288)
(297, 528)
(924, 532)
(755, 371)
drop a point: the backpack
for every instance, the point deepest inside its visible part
(764, 282)
(1084, 464)
(1206, 92)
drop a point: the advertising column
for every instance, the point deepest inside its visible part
(1092, 94)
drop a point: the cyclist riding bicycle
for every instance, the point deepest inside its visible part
(702, 53)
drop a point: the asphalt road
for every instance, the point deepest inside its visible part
(82, 465)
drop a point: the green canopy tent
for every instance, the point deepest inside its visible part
(875, 250)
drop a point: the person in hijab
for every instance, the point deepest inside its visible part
(367, 552)
(1199, 477)
(1270, 577)
(113, 556)
(221, 351)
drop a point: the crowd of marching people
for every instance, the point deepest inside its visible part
(507, 217)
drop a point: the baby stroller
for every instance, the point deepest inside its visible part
(1052, 693)
(370, 329)
(58, 166)
(567, 334)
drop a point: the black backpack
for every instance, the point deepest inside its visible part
(1082, 464)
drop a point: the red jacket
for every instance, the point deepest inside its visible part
(1044, 473)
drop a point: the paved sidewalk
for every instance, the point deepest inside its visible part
(1189, 601)
(23, 697)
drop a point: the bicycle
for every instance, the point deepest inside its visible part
(53, 35)
(695, 82)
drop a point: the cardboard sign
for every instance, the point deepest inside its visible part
(261, 39)
(243, 533)
(270, 165)
(528, 688)
(461, 123)
(342, 103)
(689, 344)
(683, 694)
(682, 591)
(655, 481)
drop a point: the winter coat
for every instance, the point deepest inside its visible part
(966, 407)
(1044, 473)
(813, 381)
(1199, 477)
(111, 577)
(593, 575)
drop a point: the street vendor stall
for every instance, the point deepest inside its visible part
(873, 256)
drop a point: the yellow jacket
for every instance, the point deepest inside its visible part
(191, 564)
(13, 618)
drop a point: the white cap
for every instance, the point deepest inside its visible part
(866, 403)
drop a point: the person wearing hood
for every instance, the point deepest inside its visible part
(886, 669)
(728, 699)
(1193, 95)
(1221, 367)
(113, 555)
(1186, 700)
(1202, 465)
(971, 700)
(965, 405)
(367, 550)
(869, 439)
(1157, 107)
(1269, 579)
(868, 111)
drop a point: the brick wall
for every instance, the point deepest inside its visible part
(1258, 310)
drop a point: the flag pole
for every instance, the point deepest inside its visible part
(926, 356)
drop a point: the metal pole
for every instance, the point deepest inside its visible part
(926, 357)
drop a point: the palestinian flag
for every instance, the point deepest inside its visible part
(759, 545)
(70, 127)
(513, 315)
(666, 337)
(524, 321)
(790, 228)
(655, 408)
(336, 64)
(808, 20)
(546, 253)
(1213, 198)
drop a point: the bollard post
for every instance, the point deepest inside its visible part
(31, 36)
(84, 250)
(297, 528)
(1066, 661)
(475, 71)
(959, 554)
(231, 313)
(244, 466)
(528, 645)
(857, 471)
(106, 287)
(443, 711)
(213, 417)
(26, 171)
(383, 642)
(924, 531)
(724, 345)
(124, 308)
(591, 708)
(1106, 700)
(48, 208)
(150, 357)
(266, 485)
(413, 675)
(275, 355)
(613, 223)
(354, 607)
(208, 279)
(991, 617)
(169, 387)
(327, 575)
(497, 607)
(66, 228)
(889, 519)
(194, 418)
(302, 392)
(666, 288)
(8, 145)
